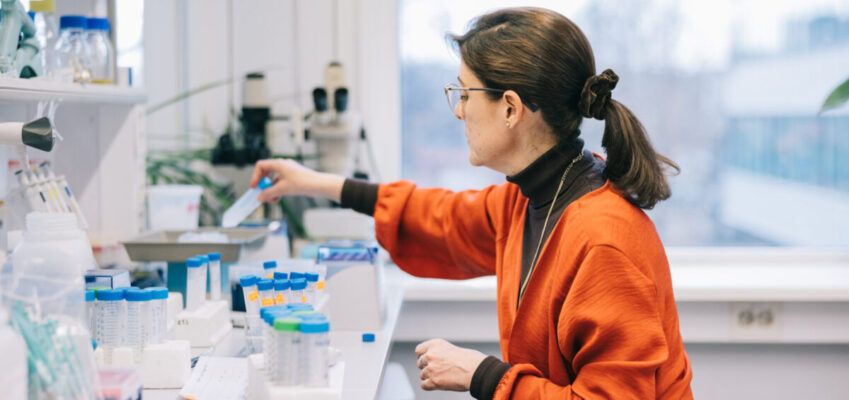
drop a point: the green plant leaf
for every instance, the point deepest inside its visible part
(837, 97)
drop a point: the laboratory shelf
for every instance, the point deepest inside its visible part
(16, 90)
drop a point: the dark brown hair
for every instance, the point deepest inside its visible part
(547, 60)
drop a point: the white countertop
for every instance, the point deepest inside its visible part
(693, 282)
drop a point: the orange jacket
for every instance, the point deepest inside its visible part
(598, 318)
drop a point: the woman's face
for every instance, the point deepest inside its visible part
(490, 140)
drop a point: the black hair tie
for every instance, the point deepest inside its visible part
(595, 97)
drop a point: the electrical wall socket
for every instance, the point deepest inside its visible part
(757, 321)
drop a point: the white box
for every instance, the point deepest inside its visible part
(204, 327)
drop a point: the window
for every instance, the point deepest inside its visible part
(728, 89)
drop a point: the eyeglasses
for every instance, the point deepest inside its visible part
(456, 94)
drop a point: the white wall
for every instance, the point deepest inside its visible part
(190, 43)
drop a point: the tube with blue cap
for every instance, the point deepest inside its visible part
(245, 205)
(195, 283)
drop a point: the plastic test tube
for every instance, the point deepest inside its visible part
(311, 290)
(214, 275)
(269, 343)
(138, 319)
(268, 269)
(297, 287)
(266, 292)
(110, 320)
(315, 339)
(195, 283)
(158, 322)
(204, 264)
(251, 294)
(287, 332)
(90, 312)
(321, 270)
(281, 287)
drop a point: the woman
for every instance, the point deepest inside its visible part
(585, 304)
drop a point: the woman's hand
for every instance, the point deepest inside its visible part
(445, 366)
(293, 179)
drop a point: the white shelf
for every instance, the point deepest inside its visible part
(12, 89)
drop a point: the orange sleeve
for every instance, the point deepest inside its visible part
(435, 233)
(609, 321)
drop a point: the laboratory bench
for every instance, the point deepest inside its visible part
(364, 362)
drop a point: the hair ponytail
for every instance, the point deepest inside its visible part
(633, 166)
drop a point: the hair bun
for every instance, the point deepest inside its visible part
(595, 97)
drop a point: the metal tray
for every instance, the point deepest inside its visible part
(163, 245)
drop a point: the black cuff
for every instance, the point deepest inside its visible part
(360, 196)
(486, 377)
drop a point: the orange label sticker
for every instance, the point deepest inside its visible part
(319, 285)
(303, 299)
(267, 302)
(280, 299)
(252, 296)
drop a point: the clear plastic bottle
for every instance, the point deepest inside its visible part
(49, 264)
(101, 51)
(158, 321)
(296, 289)
(245, 205)
(312, 287)
(281, 289)
(110, 320)
(249, 289)
(71, 54)
(46, 30)
(214, 275)
(266, 292)
(195, 284)
(268, 269)
(315, 339)
(138, 319)
(287, 332)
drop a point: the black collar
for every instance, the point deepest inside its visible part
(539, 180)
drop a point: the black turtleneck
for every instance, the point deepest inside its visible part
(538, 182)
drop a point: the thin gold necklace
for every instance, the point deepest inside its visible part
(544, 224)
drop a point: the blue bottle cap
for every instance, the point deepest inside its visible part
(311, 277)
(315, 326)
(203, 258)
(158, 293)
(368, 337)
(248, 280)
(281, 284)
(265, 183)
(98, 24)
(280, 275)
(298, 284)
(273, 313)
(73, 21)
(296, 275)
(135, 294)
(300, 307)
(110, 295)
(214, 256)
(89, 295)
(269, 264)
(265, 284)
(193, 262)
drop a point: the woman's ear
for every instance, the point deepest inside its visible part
(514, 110)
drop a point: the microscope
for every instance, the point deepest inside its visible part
(19, 49)
(336, 131)
(248, 145)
